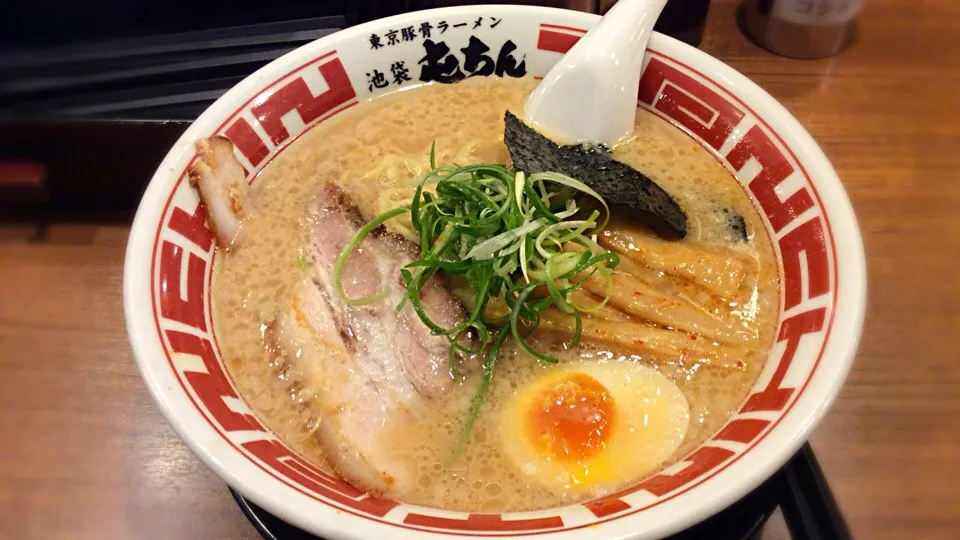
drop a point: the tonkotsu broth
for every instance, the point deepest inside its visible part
(376, 151)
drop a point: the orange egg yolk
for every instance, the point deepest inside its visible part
(571, 419)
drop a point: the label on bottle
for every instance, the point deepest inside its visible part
(818, 12)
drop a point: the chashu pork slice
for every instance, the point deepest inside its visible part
(221, 181)
(369, 367)
(392, 367)
(301, 338)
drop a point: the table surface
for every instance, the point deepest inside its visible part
(86, 453)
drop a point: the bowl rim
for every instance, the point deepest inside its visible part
(780, 444)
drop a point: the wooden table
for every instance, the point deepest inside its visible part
(86, 454)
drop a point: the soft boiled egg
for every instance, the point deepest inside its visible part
(591, 427)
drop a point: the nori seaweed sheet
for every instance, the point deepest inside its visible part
(616, 182)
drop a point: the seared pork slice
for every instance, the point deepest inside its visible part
(221, 181)
(395, 367)
(302, 337)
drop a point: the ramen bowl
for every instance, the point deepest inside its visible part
(171, 254)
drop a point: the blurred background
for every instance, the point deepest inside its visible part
(80, 76)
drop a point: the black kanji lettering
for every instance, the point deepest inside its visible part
(375, 42)
(376, 80)
(474, 59)
(438, 64)
(392, 37)
(400, 72)
(495, 22)
(507, 64)
(425, 29)
(442, 26)
(408, 34)
(476, 23)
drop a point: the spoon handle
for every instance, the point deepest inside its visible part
(590, 95)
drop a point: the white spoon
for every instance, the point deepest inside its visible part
(590, 95)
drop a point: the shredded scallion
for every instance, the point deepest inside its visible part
(503, 232)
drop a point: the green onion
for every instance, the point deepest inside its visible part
(345, 254)
(302, 261)
(504, 232)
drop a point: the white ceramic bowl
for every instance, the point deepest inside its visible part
(808, 216)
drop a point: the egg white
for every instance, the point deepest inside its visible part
(650, 420)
